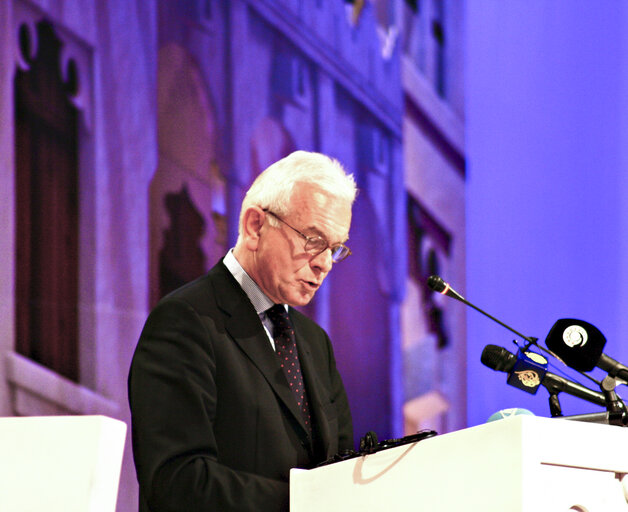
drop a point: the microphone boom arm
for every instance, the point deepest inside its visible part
(530, 340)
(437, 284)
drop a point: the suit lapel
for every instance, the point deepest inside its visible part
(246, 329)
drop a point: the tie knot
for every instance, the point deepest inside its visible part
(279, 316)
(283, 333)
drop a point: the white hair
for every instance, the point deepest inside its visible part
(273, 188)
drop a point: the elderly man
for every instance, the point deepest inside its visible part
(229, 386)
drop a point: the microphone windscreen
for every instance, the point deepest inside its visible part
(507, 413)
(498, 358)
(578, 343)
(436, 283)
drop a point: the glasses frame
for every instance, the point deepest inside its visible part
(345, 251)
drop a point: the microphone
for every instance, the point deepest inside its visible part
(525, 371)
(580, 345)
(501, 360)
(437, 284)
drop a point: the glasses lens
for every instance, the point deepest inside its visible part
(315, 245)
(339, 253)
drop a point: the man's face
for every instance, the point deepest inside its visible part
(284, 271)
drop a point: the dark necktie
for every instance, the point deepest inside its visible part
(286, 350)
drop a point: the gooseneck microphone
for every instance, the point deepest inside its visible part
(499, 359)
(437, 284)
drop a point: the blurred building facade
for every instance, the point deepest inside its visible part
(129, 131)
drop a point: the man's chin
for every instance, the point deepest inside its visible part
(302, 300)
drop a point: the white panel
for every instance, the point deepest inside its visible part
(519, 464)
(60, 463)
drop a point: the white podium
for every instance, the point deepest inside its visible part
(519, 464)
(60, 463)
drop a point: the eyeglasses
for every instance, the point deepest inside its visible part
(315, 245)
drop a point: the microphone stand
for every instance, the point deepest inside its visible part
(604, 418)
(615, 407)
(554, 403)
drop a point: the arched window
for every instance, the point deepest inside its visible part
(46, 149)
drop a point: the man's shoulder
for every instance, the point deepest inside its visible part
(201, 283)
(203, 289)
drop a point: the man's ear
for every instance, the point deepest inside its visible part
(252, 224)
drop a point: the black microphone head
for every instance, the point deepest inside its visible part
(436, 283)
(578, 343)
(498, 358)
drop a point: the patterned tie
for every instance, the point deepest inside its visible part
(286, 349)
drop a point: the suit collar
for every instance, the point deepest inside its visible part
(258, 298)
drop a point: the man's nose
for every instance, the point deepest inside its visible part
(322, 261)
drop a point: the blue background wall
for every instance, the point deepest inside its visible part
(547, 210)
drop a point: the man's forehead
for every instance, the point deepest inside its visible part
(334, 231)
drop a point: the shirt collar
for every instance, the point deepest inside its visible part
(257, 297)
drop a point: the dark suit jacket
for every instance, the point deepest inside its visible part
(214, 424)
